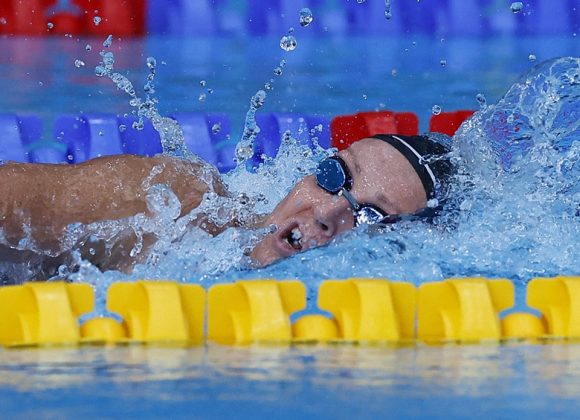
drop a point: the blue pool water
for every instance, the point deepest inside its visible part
(326, 76)
(338, 382)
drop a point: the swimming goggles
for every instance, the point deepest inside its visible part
(333, 176)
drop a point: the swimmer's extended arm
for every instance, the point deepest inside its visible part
(47, 198)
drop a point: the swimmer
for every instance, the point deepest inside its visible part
(376, 180)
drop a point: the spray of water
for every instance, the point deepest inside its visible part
(513, 213)
(171, 134)
(513, 210)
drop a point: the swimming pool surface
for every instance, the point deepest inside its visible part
(325, 76)
(343, 382)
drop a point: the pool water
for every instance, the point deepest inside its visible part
(325, 76)
(339, 382)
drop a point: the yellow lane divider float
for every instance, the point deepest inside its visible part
(359, 310)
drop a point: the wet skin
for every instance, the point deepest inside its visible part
(41, 200)
(381, 176)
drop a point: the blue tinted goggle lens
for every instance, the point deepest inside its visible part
(331, 176)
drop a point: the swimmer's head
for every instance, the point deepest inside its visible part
(391, 174)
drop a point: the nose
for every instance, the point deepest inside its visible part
(333, 215)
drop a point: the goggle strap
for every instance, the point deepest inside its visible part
(351, 200)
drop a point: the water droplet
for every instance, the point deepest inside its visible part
(108, 42)
(202, 97)
(100, 71)
(394, 72)
(282, 63)
(532, 57)
(88, 47)
(151, 62)
(79, 63)
(288, 43)
(278, 71)
(123, 83)
(216, 128)
(244, 153)
(210, 91)
(436, 110)
(92, 251)
(122, 128)
(517, 6)
(480, 98)
(97, 20)
(268, 86)
(258, 99)
(365, 97)
(305, 17)
(101, 133)
(432, 203)
(202, 83)
(70, 158)
(388, 13)
(360, 1)
(443, 63)
(290, 30)
(40, 84)
(3, 21)
(50, 25)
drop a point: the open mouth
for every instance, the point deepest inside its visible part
(294, 238)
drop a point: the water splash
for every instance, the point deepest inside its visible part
(491, 227)
(245, 147)
(492, 230)
(171, 134)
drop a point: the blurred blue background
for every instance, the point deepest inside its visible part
(367, 17)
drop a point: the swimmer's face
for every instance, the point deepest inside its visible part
(309, 216)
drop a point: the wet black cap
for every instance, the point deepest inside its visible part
(430, 157)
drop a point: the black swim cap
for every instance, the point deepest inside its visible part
(429, 156)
